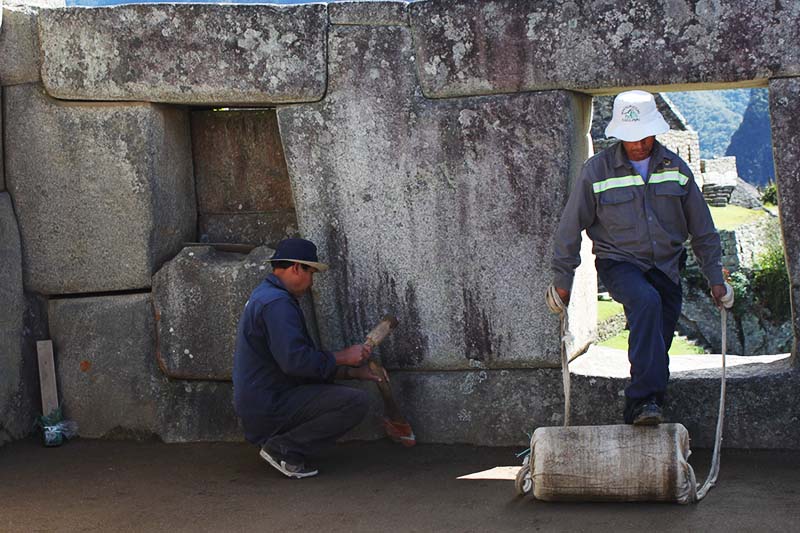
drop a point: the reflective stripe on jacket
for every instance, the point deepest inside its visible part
(628, 219)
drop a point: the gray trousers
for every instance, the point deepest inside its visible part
(310, 420)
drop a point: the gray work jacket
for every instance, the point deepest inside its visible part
(641, 223)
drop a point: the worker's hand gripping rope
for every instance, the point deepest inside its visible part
(554, 301)
(728, 298)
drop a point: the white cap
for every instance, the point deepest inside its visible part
(635, 117)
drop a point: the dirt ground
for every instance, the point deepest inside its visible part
(92, 485)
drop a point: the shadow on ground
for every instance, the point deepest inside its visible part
(94, 485)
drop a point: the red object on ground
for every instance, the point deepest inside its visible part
(400, 432)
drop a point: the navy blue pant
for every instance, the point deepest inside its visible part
(652, 304)
(309, 420)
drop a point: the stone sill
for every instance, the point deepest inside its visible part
(611, 363)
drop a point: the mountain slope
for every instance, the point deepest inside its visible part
(715, 115)
(752, 142)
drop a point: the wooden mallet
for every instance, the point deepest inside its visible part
(396, 426)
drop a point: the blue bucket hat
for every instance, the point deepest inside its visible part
(298, 251)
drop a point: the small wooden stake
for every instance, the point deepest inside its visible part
(47, 376)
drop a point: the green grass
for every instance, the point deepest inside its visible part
(607, 309)
(680, 346)
(732, 216)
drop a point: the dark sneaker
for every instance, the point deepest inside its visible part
(649, 414)
(288, 469)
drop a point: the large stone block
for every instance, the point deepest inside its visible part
(760, 410)
(440, 212)
(2, 170)
(16, 412)
(198, 298)
(483, 407)
(373, 13)
(198, 411)
(19, 46)
(104, 193)
(106, 369)
(784, 108)
(198, 54)
(243, 189)
(471, 47)
(504, 407)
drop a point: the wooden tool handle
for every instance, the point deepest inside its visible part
(379, 332)
(374, 338)
(389, 405)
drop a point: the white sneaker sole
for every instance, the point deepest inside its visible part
(280, 468)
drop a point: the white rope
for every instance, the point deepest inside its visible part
(557, 306)
(565, 365)
(712, 474)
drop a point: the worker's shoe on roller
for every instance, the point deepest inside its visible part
(648, 414)
(291, 469)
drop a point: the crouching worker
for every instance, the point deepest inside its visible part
(283, 385)
(639, 202)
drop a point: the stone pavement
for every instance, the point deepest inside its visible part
(94, 485)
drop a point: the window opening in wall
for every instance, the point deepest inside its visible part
(730, 130)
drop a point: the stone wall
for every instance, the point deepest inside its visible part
(719, 179)
(740, 246)
(441, 218)
(429, 148)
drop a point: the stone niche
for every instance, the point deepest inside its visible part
(440, 212)
(243, 189)
(103, 193)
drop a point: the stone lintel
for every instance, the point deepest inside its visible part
(472, 47)
(369, 13)
(186, 53)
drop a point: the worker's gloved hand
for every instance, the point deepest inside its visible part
(557, 299)
(723, 295)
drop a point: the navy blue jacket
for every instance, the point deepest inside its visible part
(274, 352)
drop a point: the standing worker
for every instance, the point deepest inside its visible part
(282, 384)
(639, 202)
